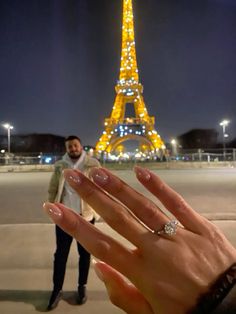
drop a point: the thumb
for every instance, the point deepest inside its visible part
(121, 292)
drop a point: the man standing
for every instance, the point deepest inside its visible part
(60, 191)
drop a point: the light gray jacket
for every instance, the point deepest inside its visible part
(57, 182)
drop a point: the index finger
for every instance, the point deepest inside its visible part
(99, 244)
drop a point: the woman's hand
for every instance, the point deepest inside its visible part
(166, 273)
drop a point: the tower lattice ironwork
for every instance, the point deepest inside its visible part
(120, 127)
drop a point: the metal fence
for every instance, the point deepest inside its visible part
(197, 155)
(29, 159)
(207, 155)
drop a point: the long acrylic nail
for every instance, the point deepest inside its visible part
(53, 211)
(72, 176)
(99, 176)
(142, 173)
(98, 271)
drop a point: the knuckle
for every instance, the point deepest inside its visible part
(181, 204)
(73, 227)
(151, 210)
(121, 217)
(161, 187)
(215, 234)
(102, 250)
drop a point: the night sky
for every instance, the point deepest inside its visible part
(60, 59)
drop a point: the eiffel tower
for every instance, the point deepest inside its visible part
(140, 126)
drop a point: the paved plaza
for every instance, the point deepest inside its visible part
(27, 236)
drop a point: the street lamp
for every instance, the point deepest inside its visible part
(224, 124)
(9, 128)
(174, 147)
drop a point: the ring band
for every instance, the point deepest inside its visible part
(169, 228)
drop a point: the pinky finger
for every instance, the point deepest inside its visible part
(122, 293)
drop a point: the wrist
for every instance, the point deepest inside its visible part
(210, 301)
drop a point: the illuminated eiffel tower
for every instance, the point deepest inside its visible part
(140, 126)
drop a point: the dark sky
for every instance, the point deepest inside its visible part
(59, 63)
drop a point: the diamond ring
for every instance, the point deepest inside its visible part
(168, 229)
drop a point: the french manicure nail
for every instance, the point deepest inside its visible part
(72, 176)
(99, 176)
(142, 173)
(53, 211)
(98, 272)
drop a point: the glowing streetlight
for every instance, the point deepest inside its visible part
(224, 124)
(174, 146)
(9, 128)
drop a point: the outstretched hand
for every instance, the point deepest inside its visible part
(166, 273)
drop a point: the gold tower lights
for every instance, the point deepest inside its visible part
(119, 127)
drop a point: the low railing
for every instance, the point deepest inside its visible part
(199, 155)
(29, 159)
(205, 155)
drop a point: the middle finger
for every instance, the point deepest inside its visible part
(143, 208)
(113, 212)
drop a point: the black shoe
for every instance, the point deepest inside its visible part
(82, 295)
(54, 299)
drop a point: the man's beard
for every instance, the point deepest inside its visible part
(74, 156)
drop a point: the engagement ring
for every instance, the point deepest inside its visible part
(169, 228)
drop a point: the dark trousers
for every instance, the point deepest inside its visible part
(63, 243)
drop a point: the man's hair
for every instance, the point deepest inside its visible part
(71, 138)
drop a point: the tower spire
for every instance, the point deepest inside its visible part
(128, 69)
(119, 127)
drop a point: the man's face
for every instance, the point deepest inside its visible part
(74, 149)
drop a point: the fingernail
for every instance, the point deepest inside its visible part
(53, 211)
(142, 173)
(98, 271)
(72, 176)
(99, 176)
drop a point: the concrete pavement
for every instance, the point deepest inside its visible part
(26, 271)
(209, 191)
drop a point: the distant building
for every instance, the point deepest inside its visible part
(232, 144)
(38, 143)
(33, 143)
(198, 138)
